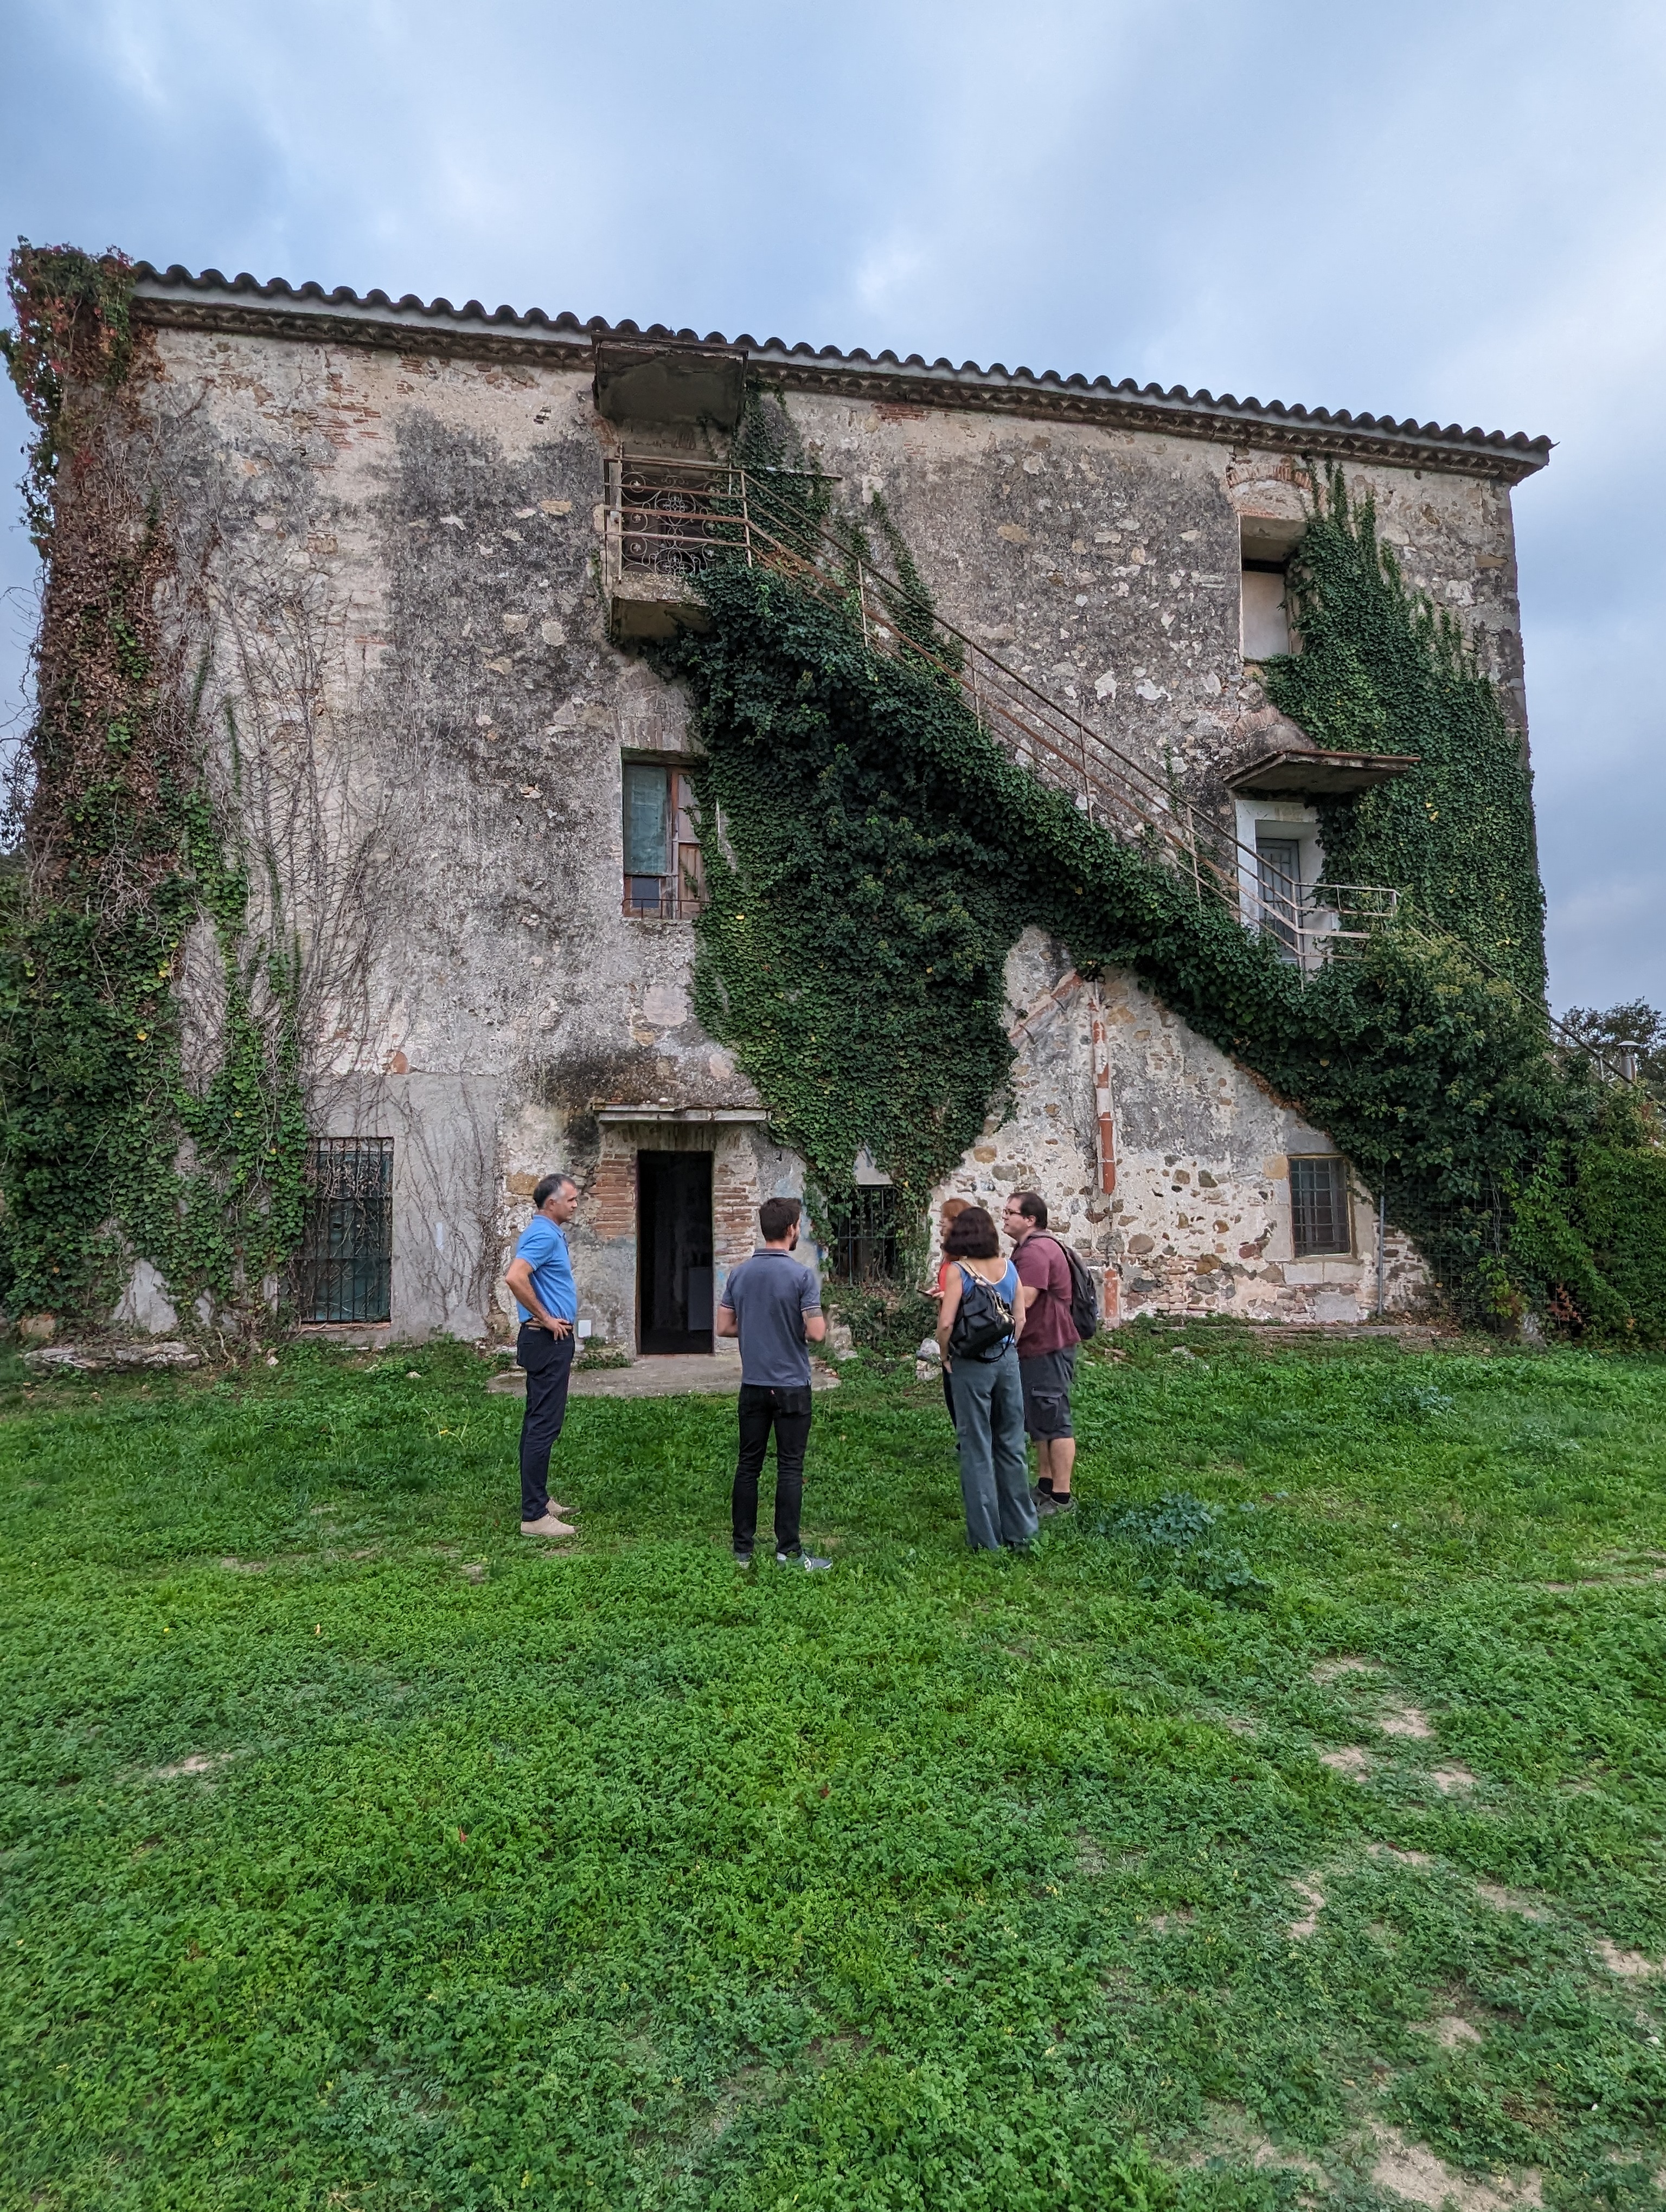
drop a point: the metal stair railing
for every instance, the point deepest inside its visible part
(683, 516)
(1058, 744)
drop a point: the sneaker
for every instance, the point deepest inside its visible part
(743, 1559)
(1044, 1502)
(807, 1560)
(547, 1526)
(1065, 1505)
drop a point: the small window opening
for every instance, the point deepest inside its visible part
(1266, 543)
(664, 878)
(864, 1225)
(1321, 1217)
(347, 1250)
(1265, 614)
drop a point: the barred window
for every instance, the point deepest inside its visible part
(347, 1254)
(1321, 1219)
(864, 1225)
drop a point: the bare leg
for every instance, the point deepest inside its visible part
(1055, 1457)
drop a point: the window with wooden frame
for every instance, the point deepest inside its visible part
(663, 875)
(1321, 1210)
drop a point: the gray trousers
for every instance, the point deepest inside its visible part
(994, 1475)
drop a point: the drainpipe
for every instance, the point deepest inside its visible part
(1102, 1099)
(1111, 1301)
(1382, 1233)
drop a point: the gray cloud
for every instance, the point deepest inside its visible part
(1456, 211)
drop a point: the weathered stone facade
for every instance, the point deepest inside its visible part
(402, 509)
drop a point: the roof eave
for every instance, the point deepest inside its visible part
(176, 299)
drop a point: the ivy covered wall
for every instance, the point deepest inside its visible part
(1381, 670)
(115, 1144)
(873, 856)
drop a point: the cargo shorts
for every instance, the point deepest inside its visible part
(1046, 1381)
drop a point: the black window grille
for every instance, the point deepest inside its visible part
(863, 1222)
(347, 1254)
(1321, 1219)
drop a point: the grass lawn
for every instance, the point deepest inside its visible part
(360, 1853)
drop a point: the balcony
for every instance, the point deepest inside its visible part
(665, 522)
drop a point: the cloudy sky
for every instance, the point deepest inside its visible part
(1445, 209)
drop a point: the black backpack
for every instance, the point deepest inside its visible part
(983, 1327)
(1084, 1298)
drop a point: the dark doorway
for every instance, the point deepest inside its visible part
(674, 1251)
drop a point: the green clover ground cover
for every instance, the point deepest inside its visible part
(359, 1855)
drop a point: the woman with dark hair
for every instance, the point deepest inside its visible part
(978, 1325)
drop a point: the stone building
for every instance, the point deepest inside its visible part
(471, 789)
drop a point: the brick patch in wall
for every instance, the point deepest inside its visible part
(611, 1198)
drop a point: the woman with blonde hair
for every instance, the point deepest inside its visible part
(978, 1325)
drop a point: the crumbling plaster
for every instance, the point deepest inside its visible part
(1105, 563)
(409, 631)
(1197, 1220)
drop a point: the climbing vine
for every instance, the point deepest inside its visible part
(1381, 670)
(873, 856)
(149, 1065)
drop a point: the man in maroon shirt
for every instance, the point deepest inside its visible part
(1047, 1349)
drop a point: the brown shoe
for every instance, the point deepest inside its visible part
(548, 1527)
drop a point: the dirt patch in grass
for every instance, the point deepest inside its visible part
(1314, 1899)
(1451, 1781)
(1090, 1855)
(1328, 1670)
(1230, 2134)
(1630, 1966)
(1406, 1720)
(198, 1763)
(1352, 1760)
(1511, 1900)
(1411, 2171)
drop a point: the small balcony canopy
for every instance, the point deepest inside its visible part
(1304, 775)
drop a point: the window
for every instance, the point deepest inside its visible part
(1279, 871)
(663, 878)
(1321, 1218)
(347, 1252)
(864, 1225)
(1264, 618)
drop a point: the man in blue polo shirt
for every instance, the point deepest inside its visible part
(547, 1303)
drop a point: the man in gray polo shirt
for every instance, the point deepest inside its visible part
(773, 1304)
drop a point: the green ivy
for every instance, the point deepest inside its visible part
(873, 856)
(1381, 670)
(107, 1149)
(74, 320)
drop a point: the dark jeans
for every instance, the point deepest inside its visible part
(948, 1391)
(787, 1412)
(548, 1361)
